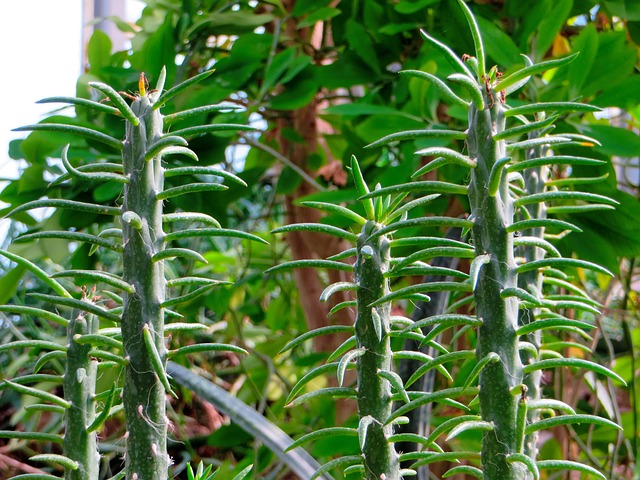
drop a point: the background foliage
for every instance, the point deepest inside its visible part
(320, 80)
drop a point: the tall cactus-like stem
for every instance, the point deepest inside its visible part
(372, 339)
(144, 394)
(534, 181)
(497, 271)
(80, 445)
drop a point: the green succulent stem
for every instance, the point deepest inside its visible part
(372, 336)
(497, 334)
(79, 384)
(534, 181)
(144, 395)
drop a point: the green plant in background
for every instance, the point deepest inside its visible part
(134, 337)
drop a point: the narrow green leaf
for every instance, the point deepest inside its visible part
(156, 360)
(41, 344)
(243, 473)
(526, 128)
(79, 304)
(418, 134)
(421, 288)
(331, 329)
(310, 264)
(73, 129)
(471, 86)
(463, 470)
(56, 459)
(118, 101)
(559, 107)
(37, 393)
(553, 160)
(337, 209)
(204, 110)
(573, 363)
(72, 236)
(317, 228)
(477, 39)
(36, 312)
(82, 102)
(206, 347)
(333, 392)
(446, 358)
(213, 232)
(163, 142)
(179, 252)
(452, 155)
(521, 294)
(492, 357)
(32, 436)
(569, 420)
(187, 297)
(104, 414)
(537, 242)
(448, 425)
(37, 271)
(563, 195)
(97, 276)
(422, 187)
(476, 266)
(396, 382)
(562, 262)
(362, 188)
(538, 142)
(42, 407)
(190, 188)
(434, 252)
(442, 87)
(187, 152)
(98, 339)
(182, 326)
(213, 128)
(195, 170)
(527, 461)
(309, 376)
(90, 177)
(448, 54)
(181, 87)
(469, 425)
(569, 465)
(345, 360)
(67, 204)
(347, 345)
(550, 404)
(190, 217)
(495, 177)
(337, 287)
(337, 463)
(424, 223)
(533, 70)
(418, 202)
(541, 222)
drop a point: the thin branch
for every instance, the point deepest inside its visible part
(278, 156)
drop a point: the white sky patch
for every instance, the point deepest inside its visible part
(40, 48)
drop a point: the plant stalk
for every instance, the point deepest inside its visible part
(372, 335)
(144, 395)
(497, 334)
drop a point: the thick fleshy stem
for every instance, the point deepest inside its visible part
(534, 181)
(80, 445)
(144, 395)
(375, 404)
(497, 271)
